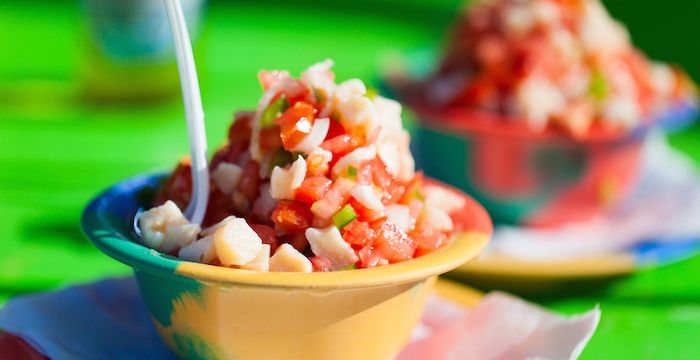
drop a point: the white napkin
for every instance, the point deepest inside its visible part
(108, 320)
(500, 327)
(664, 207)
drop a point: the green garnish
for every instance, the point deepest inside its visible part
(349, 267)
(598, 88)
(343, 217)
(281, 159)
(415, 194)
(272, 111)
(318, 94)
(352, 172)
(371, 92)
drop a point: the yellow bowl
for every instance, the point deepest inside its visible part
(204, 311)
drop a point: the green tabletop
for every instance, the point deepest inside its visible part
(58, 150)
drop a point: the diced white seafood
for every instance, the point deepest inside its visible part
(368, 197)
(236, 243)
(289, 259)
(445, 199)
(355, 157)
(227, 176)
(283, 182)
(165, 229)
(329, 244)
(201, 250)
(401, 216)
(434, 217)
(260, 262)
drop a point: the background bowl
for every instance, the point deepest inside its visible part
(529, 178)
(204, 311)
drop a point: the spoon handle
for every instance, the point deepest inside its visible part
(194, 113)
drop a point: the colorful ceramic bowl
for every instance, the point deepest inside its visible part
(531, 178)
(204, 311)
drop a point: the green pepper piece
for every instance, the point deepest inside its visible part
(281, 159)
(343, 217)
(349, 267)
(272, 111)
(598, 88)
(371, 92)
(352, 172)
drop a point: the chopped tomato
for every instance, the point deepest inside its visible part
(427, 239)
(365, 214)
(413, 189)
(178, 188)
(316, 165)
(341, 145)
(267, 235)
(297, 91)
(240, 130)
(369, 257)
(334, 130)
(231, 153)
(393, 191)
(393, 244)
(312, 189)
(333, 199)
(364, 174)
(250, 181)
(358, 233)
(297, 240)
(321, 264)
(270, 138)
(268, 77)
(219, 207)
(291, 217)
(295, 124)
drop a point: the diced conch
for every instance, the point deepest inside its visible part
(443, 198)
(357, 112)
(236, 243)
(621, 110)
(393, 140)
(328, 243)
(368, 197)
(537, 99)
(350, 88)
(212, 229)
(320, 77)
(227, 176)
(315, 137)
(283, 182)
(401, 216)
(260, 262)
(201, 250)
(355, 157)
(268, 77)
(289, 259)
(165, 229)
(264, 204)
(433, 216)
(599, 32)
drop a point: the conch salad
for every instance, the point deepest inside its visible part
(564, 63)
(318, 178)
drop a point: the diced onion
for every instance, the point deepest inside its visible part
(314, 139)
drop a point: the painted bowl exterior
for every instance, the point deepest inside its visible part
(527, 178)
(211, 312)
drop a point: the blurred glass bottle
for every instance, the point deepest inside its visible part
(128, 53)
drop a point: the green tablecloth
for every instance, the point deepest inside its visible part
(57, 151)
